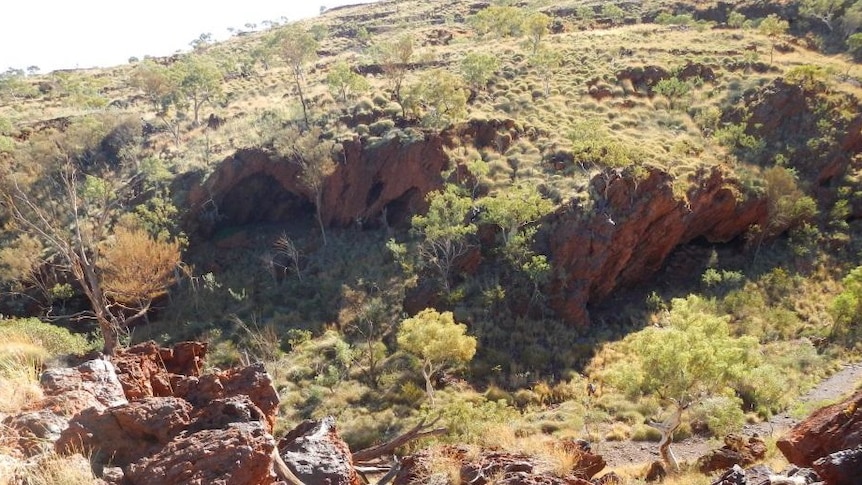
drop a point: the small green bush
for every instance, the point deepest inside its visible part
(720, 414)
(56, 340)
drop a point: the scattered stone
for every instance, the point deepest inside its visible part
(36, 431)
(758, 475)
(734, 476)
(252, 381)
(737, 450)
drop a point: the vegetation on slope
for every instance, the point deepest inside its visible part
(94, 205)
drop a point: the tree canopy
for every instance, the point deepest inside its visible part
(437, 341)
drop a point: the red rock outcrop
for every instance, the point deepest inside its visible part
(67, 391)
(737, 450)
(635, 224)
(126, 433)
(146, 370)
(239, 454)
(788, 116)
(315, 453)
(393, 174)
(178, 426)
(828, 430)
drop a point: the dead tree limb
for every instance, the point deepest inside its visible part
(421, 430)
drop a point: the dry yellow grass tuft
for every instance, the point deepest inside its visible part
(48, 469)
(20, 364)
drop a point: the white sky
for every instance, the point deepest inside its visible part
(63, 34)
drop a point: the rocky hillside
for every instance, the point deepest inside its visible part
(603, 215)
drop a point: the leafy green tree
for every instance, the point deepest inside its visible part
(846, 308)
(674, 89)
(736, 20)
(854, 45)
(298, 48)
(851, 21)
(585, 12)
(503, 21)
(154, 80)
(691, 356)
(515, 211)
(394, 58)
(613, 12)
(546, 62)
(825, 11)
(314, 156)
(773, 27)
(478, 69)
(343, 80)
(438, 96)
(199, 81)
(787, 205)
(437, 341)
(446, 235)
(536, 25)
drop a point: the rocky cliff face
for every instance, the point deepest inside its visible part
(633, 226)
(254, 186)
(388, 178)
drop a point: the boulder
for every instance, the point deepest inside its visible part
(826, 431)
(93, 383)
(737, 450)
(840, 468)
(34, 432)
(126, 433)
(252, 381)
(315, 453)
(225, 411)
(240, 454)
(146, 370)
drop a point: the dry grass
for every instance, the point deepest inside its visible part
(20, 364)
(48, 469)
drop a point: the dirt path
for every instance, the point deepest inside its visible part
(622, 453)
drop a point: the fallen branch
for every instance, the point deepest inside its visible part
(421, 430)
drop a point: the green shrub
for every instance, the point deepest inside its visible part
(57, 341)
(380, 128)
(720, 414)
(642, 432)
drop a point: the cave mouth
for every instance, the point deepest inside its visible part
(400, 210)
(261, 199)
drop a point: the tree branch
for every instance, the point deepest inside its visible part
(421, 430)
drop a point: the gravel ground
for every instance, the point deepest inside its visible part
(622, 453)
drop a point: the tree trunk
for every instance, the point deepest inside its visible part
(429, 388)
(667, 429)
(319, 211)
(297, 77)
